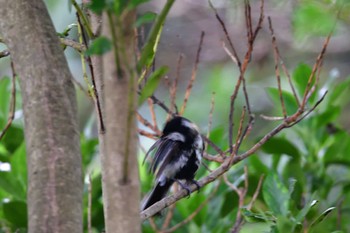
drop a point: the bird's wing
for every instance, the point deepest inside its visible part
(165, 149)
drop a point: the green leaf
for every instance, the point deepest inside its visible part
(276, 194)
(289, 100)
(328, 116)
(150, 48)
(16, 213)
(250, 216)
(301, 76)
(312, 19)
(152, 83)
(13, 138)
(4, 98)
(148, 17)
(135, 3)
(12, 185)
(279, 146)
(97, 6)
(338, 152)
(18, 163)
(321, 217)
(304, 211)
(99, 46)
(230, 200)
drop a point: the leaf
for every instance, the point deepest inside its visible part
(149, 50)
(97, 6)
(230, 200)
(276, 195)
(250, 216)
(135, 3)
(12, 185)
(312, 19)
(16, 213)
(99, 46)
(301, 76)
(4, 97)
(13, 138)
(289, 100)
(148, 17)
(328, 116)
(304, 211)
(338, 152)
(322, 216)
(152, 83)
(19, 165)
(279, 146)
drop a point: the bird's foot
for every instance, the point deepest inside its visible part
(185, 187)
(197, 184)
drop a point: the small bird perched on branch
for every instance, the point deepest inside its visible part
(177, 156)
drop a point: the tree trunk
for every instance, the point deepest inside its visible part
(50, 114)
(120, 181)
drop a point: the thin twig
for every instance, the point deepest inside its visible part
(194, 213)
(239, 133)
(169, 216)
(277, 71)
(146, 123)
(162, 105)
(256, 193)
(314, 70)
(238, 62)
(148, 134)
(210, 120)
(12, 108)
(94, 88)
(173, 89)
(277, 53)
(153, 114)
(73, 44)
(193, 76)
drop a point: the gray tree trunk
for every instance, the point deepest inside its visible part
(120, 178)
(51, 131)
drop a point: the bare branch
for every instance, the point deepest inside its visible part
(191, 216)
(146, 123)
(314, 70)
(73, 44)
(94, 88)
(153, 114)
(193, 76)
(277, 71)
(11, 114)
(210, 120)
(238, 62)
(278, 58)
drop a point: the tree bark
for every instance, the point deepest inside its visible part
(50, 115)
(120, 179)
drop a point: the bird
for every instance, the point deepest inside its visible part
(177, 155)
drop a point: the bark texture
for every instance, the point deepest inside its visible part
(55, 181)
(120, 177)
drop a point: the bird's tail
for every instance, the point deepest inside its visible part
(158, 192)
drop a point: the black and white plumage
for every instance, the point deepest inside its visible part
(177, 156)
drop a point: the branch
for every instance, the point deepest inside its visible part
(11, 114)
(193, 76)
